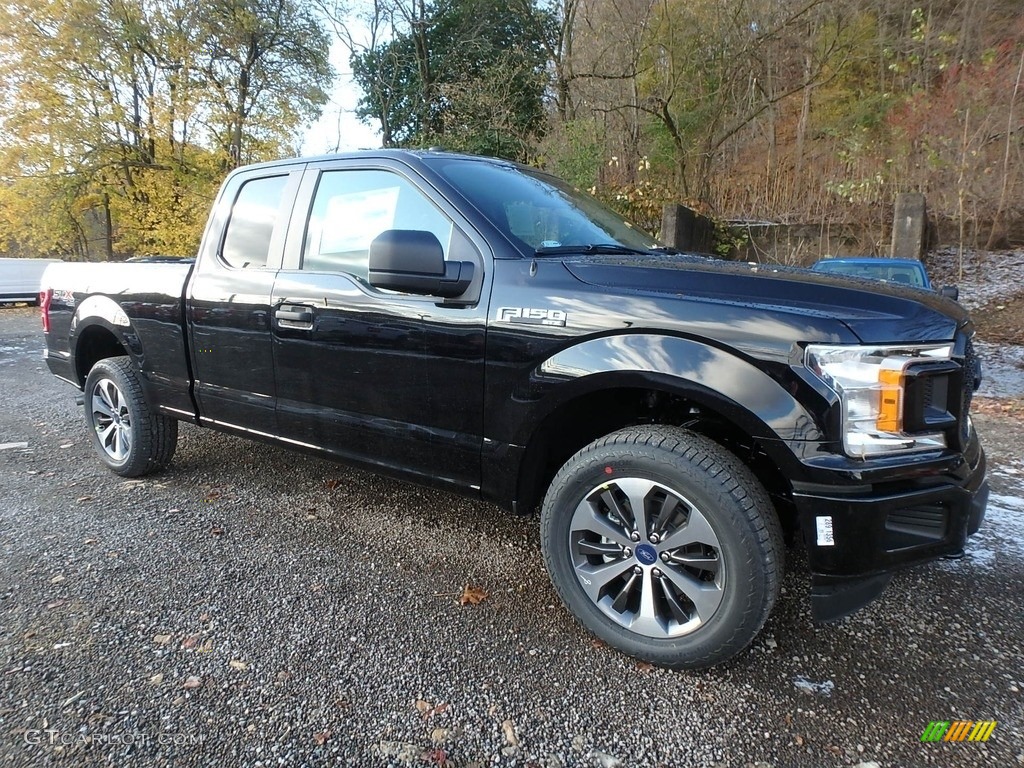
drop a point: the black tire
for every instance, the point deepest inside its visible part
(129, 436)
(693, 582)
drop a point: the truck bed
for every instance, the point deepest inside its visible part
(141, 303)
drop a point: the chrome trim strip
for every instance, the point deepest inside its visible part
(261, 434)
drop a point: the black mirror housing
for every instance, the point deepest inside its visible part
(412, 261)
(950, 292)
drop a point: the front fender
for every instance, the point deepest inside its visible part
(758, 397)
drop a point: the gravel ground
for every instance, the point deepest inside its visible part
(252, 606)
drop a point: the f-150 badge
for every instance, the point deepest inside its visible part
(531, 316)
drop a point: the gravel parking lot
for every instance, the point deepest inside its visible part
(252, 606)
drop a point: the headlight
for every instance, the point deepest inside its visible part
(870, 382)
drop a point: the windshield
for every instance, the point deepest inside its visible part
(537, 211)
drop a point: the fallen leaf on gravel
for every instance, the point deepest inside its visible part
(55, 604)
(204, 617)
(321, 737)
(332, 484)
(241, 666)
(191, 641)
(217, 530)
(80, 499)
(192, 681)
(423, 706)
(798, 740)
(644, 666)
(440, 734)
(472, 595)
(157, 678)
(14, 446)
(509, 729)
(57, 579)
(89, 541)
(68, 445)
(438, 757)
(207, 647)
(442, 707)
(162, 639)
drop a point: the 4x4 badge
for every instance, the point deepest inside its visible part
(532, 316)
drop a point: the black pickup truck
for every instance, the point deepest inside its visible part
(482, 327)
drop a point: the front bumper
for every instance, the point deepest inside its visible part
(855, 541)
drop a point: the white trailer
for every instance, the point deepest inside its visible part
(20, 278)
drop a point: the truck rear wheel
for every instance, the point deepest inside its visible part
(664, 545)
(129, 436)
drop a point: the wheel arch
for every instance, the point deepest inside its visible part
(100, 329)
(686, 383)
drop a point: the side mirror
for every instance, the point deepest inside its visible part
(950, 292)
(411, 261)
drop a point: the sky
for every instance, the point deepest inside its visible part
(338, 129)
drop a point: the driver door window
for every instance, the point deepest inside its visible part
(351, 208)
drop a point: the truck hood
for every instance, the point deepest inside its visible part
(876, 312)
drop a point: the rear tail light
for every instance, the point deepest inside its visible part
(45, 297)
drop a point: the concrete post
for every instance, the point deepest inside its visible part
(677, 226)
(909, 226)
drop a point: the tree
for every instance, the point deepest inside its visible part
(121, 114)
(469, 74)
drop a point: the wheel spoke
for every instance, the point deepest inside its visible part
(705, 596)
(668, 508)
(587, 518)
(647, 620)
(598, 548)
(636, 491)
(621, 601)
(100, 406)
(623, 514)
(110, 394)
(702, 562)
(696, 531)
(593, 578)
(679, 613)
(105, 434)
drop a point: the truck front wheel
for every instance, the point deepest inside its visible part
(128, 435)
(664, 545)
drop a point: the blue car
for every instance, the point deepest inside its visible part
(905, 271)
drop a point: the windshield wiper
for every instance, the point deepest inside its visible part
(555, 250)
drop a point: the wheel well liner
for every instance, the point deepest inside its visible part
(95, 343)
(584, 419)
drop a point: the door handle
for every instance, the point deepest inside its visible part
(294, 317)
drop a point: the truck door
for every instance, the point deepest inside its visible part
(228, 303)
(387, 379)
